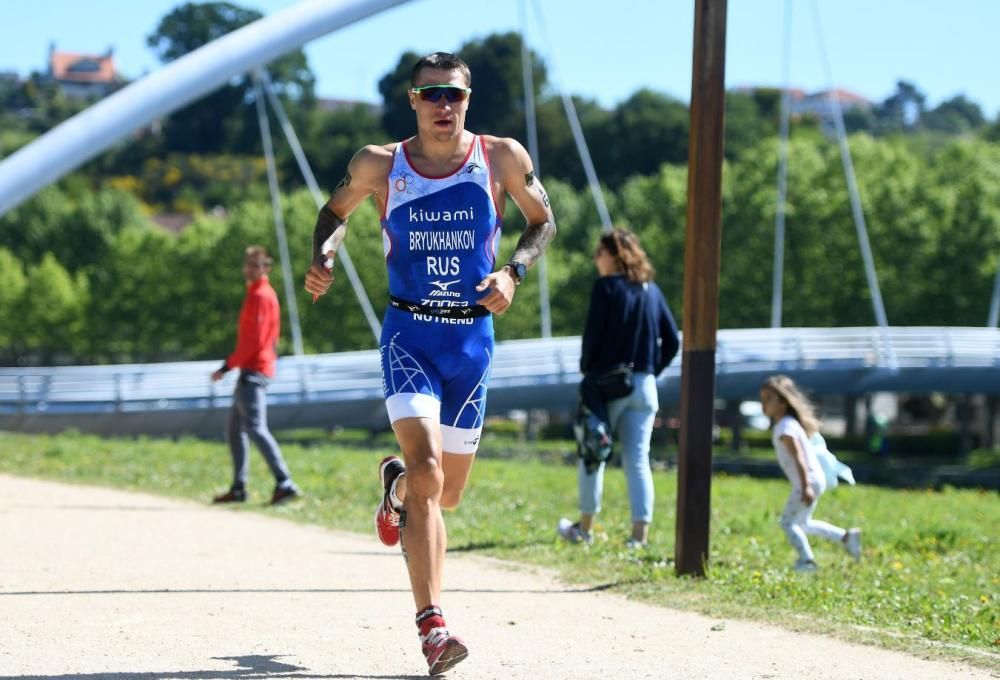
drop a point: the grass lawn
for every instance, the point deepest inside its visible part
(929, 578)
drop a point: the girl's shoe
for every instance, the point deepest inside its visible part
(852, 543)
(572, 533)
(805, 565)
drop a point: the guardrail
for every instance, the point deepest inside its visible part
(346, 388)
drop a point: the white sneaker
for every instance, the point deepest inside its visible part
(805, 565)
(572, 533)
(852, 543)
(634, 544)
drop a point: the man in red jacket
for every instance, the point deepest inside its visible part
(257, 339)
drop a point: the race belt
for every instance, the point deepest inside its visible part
(445, 312)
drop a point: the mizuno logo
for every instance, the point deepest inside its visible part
(443, 289)
(443, 285)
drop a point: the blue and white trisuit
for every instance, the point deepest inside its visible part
(440, 236)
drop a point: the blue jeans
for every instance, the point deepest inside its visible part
(631, 420)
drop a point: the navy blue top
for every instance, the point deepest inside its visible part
(628, 323)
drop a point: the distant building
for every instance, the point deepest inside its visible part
(83, 76)
(9, 78)
(172, 222)
(818, 103)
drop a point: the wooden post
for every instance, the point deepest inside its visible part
(701, 286)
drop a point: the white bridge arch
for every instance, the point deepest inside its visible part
(77, 140)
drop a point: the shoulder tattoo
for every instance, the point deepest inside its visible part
(346, 182)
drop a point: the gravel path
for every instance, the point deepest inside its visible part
(98, 583)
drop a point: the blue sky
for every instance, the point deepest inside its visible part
(946, 47)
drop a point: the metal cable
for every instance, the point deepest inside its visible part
(310, 178)
(279, 220)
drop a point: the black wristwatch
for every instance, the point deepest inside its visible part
(518, 270)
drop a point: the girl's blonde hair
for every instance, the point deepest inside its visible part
(631, 259)
(799, 406)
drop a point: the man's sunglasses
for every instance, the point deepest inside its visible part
(433, 93)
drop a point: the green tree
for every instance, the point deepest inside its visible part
(558, 154)
(655, 208)
(129, 317)
(205, 302)
(12, 286)
(330, 139)
(221, 121)
(643, 132)
(957, 115)
(73, 223)
(397, 116)
(860, 119)
(902, 111)
(992, 133)
(963, 180)
(745, 126)
(51, 313)
(498, 87)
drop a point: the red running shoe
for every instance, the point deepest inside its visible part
(442, 650)
(386, 516)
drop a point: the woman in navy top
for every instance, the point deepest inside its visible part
(629, 322)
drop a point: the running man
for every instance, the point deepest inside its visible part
(441, 195)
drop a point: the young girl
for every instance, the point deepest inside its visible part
(794, 423)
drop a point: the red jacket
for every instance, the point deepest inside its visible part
(260, 327)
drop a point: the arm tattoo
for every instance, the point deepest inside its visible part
(326, 222)
(533, 241)
(541, 192)
(529, 179)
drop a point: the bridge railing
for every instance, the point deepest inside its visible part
(518, 364)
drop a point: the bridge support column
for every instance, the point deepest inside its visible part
(850, 415)
(990, 440)
(736, 423)
(963, 412)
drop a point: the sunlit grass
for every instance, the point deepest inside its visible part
(930, 571)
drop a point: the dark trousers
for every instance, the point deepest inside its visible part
(248, 420)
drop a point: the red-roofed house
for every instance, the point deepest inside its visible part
(83, 75)
(819, 103)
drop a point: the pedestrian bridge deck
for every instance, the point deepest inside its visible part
(345, 388)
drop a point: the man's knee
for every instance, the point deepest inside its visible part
(424, 479)
(450, 498)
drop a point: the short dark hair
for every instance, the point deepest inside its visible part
(444, 61)
(258, 253)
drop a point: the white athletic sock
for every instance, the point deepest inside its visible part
(393, 498)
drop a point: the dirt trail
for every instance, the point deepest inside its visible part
(97, 583)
